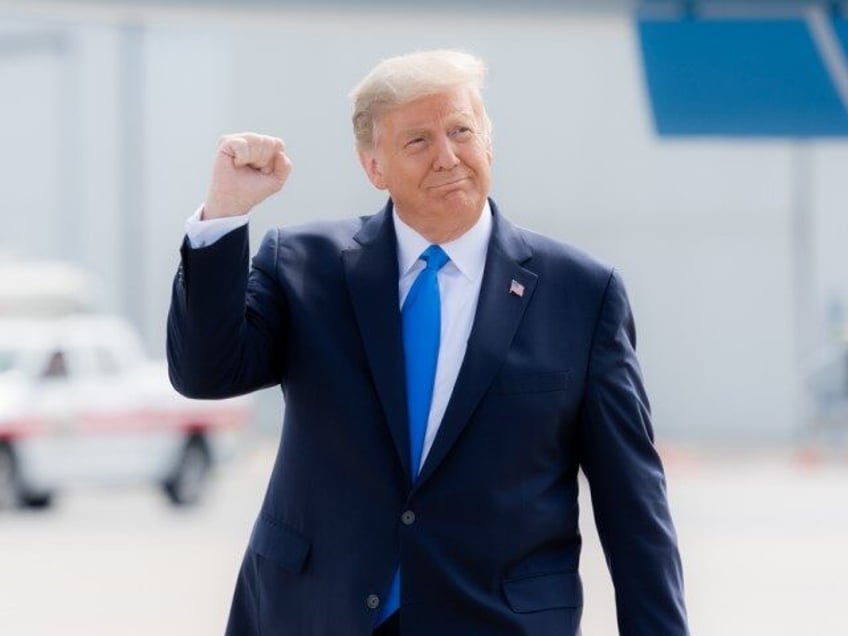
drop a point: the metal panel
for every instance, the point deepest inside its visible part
(747, 76)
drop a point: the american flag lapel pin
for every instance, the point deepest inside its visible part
(516, 288)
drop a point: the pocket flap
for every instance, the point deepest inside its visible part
(544, 591)
(279, 543)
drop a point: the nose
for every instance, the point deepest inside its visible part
(446, 157)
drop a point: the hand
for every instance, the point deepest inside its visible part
(248, 169)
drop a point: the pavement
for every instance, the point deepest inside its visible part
(764, 539)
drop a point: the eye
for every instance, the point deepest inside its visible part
(462, 132)
(415, 142)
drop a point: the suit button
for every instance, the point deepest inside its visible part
(408, 518)
(373, 601)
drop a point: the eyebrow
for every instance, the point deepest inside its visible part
(424, 130)
(411, 133)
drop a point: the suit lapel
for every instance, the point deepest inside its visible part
(372, 278)
(499, 312)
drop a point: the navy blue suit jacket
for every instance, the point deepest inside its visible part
(549, 384)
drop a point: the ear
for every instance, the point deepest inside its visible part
(371, 165)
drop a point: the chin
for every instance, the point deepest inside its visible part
(460, 202)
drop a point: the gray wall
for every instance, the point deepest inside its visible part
(701, 230)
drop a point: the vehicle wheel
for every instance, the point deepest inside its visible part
(191, 476)
(10, 487)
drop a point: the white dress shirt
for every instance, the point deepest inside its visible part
(459, 290)
(203, 232)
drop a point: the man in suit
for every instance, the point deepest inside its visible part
(439, 400)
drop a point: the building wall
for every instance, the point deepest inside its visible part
(701, 230)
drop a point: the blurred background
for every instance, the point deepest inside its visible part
(699, 146)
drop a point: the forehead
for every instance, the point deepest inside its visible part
(431, 109)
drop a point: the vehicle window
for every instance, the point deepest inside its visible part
(56, 368)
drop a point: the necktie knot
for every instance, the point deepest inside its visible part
(435, 257)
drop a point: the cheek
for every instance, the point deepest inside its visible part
(484, 163)
(480, 156)
(417, 172)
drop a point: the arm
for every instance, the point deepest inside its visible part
(627, 481)
(226, 327)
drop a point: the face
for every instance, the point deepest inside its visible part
(434, 158)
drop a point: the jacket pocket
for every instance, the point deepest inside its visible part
(544, 591)
(279, 543)
(533, 382)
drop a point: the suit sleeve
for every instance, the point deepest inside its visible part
(627, 481)
(227, 322)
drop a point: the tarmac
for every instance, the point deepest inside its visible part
(763, 535)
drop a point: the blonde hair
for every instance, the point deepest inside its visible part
(398, 80)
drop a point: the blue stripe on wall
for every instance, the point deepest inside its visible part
(739, 77)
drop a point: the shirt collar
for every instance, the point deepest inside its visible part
(467, 253)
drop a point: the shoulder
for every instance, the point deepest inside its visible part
(316, 240)
(543, 252)
(338, 233)
(567, 264)
(563, 253)
(569, 273)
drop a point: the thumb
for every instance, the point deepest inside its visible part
(238, 149)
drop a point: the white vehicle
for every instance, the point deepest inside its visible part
(81, 404)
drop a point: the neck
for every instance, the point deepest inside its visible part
(439, 230)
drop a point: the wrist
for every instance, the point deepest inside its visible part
(216, 210)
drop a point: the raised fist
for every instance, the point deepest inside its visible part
(248, 169)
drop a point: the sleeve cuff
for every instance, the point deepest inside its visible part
(202, 233)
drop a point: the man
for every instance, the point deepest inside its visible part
(439, 400)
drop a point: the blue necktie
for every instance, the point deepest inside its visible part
(422, 323)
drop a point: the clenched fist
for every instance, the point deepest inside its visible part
(248, 169)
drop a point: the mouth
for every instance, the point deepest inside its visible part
(448, 184)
